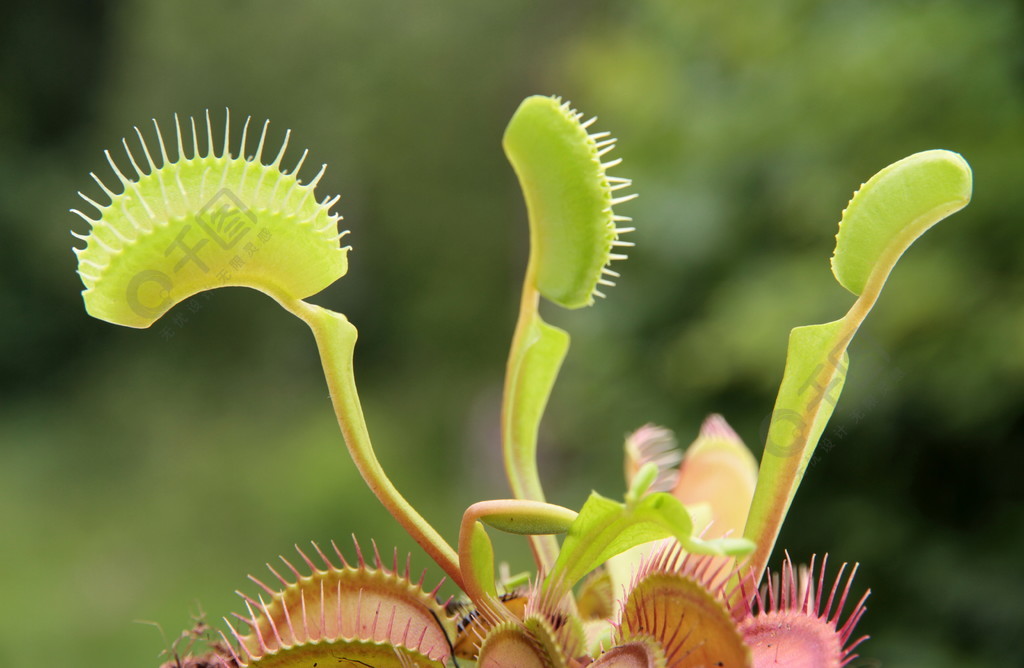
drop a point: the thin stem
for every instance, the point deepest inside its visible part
(520, 461)
(335, 338)
(521, 457)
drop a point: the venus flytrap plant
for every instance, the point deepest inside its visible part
(609, 595)
(193, 224)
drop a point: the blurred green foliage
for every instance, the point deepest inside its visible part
(142, 471)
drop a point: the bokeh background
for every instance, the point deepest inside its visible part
(143, 474)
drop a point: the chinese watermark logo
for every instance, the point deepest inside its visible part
(222, 238)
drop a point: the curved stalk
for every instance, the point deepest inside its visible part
(335, 338)
(512, 516)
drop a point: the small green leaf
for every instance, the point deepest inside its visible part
(531, 376)
(481, 564)
(895, 207)
(606, 528)
(530, 518)
(641, 483)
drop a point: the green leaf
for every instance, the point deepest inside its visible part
(606, 528)
(568, 198)
(895, 207)
(641, 483)
(816, 366)
(201, 222)
(530, 518)
(481, 566)
(531, 376)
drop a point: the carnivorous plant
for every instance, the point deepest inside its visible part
(671, 575)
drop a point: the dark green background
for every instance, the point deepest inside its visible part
(144, 471)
